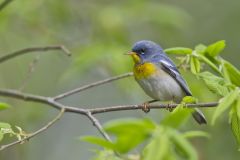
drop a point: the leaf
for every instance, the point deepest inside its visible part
(235, 121)
(4, 129)
(200, 49)
(122, 125)
(189, 99)
(5, 125)
(183, 146)
(99, 141)
(129, 130)
(225, 103)
(192, 134)
(214, 83)
(177, 117)
(231, 73)
(195, 65)
(4, 106)
(178, 50)
(214, 49)
(209, 62)
(106, 155)
(1, 136)
(159, 146)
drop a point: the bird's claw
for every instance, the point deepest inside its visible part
(169, 107)
(146, 108)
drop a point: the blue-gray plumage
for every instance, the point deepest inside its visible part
(166, 83)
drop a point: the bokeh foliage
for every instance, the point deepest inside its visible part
(98, 33)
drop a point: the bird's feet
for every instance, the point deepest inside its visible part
(170, 107)
(145, 107)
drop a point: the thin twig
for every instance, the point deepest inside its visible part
(97, 124)
(9, 56)
(49, 124)
(4, 4)
(77, 90)
(31, 69)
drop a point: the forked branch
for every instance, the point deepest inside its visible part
(52, 101)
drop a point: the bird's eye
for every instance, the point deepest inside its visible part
(142, 51)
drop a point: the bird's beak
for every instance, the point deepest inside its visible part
(130, 53)
(134, 55)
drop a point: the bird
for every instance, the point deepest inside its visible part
(159, 77)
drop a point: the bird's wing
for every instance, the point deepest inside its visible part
(169, 67)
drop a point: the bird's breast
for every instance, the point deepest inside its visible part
(161, 86)
(144, 70)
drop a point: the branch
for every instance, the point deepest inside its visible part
(51, 101)
(77, 90)
(150, 106)
(33, 49)
(97, 124)
(49, 124)
(4, 4)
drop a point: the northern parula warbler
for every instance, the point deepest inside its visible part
(158, 76)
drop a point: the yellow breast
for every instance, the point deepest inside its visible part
(144, 70)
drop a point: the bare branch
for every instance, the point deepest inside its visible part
(150, 106)
(4, 4)
(97, 124)
(40, 99)
(51, 101)
(49, 124)
(77, 90)
(33, 49)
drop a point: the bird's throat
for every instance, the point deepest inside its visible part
(136, 58)
(144, 70)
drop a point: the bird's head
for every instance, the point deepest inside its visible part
(145, 51)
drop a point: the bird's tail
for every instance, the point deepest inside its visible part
(199, 116)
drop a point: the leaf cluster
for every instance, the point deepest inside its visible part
(161, 140)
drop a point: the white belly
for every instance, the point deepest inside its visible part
(162, 87)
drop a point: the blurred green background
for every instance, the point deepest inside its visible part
(98, 33)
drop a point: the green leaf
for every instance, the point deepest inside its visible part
(177, 117)
(214, 83)
(192, 134)
(195, 65)
(1, 136)
(215, 48)
(122, 125)
(106, 155)
(189, 99)
(4, 106)
(209, 62)
(129, 130)
(159, 146)
(183, 146)
(231, 73)
(200, 49)
(4, 129)
(178, 50)
(225, 103)
(5, 125)
(99, 141)
(235, 121)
